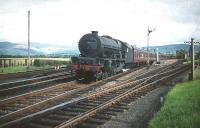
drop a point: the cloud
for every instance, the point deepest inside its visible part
(65, 21)
(183, 11)
(22, 2)
(186, 12)
(11, 6)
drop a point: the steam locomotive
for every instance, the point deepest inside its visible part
(103, 56)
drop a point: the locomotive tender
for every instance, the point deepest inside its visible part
(103, 56)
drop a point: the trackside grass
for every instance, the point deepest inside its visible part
(22, 69)
(181, 108)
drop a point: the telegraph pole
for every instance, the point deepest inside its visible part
(28, 39)
(193, 59)
(148, 33)
(192, 77)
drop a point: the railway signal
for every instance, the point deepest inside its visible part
(148, 33)
(192, 75)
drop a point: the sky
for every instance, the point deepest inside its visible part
(63, 22)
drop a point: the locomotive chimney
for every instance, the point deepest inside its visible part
(95, 33)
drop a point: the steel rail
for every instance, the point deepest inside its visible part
(84, 116)
(30, 73)
(92, 95)
(26, 81)
(19, 112)
(92, 83)
(30, 87)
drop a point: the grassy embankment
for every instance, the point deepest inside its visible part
(38, 63)
(22, 69)
(181, 108)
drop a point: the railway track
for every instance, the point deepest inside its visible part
(30, 80)
(22, 105)
(23, 86)
(82, 100)
(6, 76)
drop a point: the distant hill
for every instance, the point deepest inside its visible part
(172, 48)
(9, 48)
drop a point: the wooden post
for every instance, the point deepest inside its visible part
(192, 73)
(3, 63)
(192, 59)
(9, 63)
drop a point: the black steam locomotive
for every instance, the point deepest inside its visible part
(103, 56)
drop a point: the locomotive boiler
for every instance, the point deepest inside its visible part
(92, 45)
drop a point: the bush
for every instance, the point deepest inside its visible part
(37, 62)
